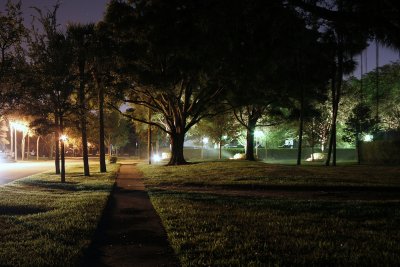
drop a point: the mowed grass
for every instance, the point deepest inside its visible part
(46, 223)
(258, 173)
(220, 230)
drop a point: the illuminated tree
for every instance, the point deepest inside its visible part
(360, 122)
(50, 87)
(80, 37)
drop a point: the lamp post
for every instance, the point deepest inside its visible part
(11, 140)
(21, 127)
(258, 134)
(15, 144)
(63, 138)
(205, 142)
(37, 147)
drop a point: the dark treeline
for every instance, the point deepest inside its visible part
(178, 62)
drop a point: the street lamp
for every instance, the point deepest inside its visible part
(205, 142)
(63, 139)
(21, 127)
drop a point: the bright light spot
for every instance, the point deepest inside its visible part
(224, 137)
(19, 126)
(165, 155)
(368, 138)
(156, 158)
(205, 140)
(63, 138)
(238, 156)
(258, 134)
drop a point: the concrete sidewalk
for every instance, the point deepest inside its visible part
(131, 233)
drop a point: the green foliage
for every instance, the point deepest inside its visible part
(359, 122)
(215, 129)
(381, 152)
(387, 95)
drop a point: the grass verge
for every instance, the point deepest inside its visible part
(220, 230)
(46, 223)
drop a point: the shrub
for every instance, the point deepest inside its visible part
(112, 159)
(381, 152)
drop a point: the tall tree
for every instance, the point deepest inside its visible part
(12, 32)
(102, 62)
(346, 38)
(51, 87)
(80, 37)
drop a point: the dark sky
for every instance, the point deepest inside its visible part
(83, 11)
(386, 55)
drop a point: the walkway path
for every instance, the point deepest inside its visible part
(131, 233)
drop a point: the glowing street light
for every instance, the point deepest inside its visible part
(20, 127)
(205, 140)
(368, 138)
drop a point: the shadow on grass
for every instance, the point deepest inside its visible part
(67, 186)
(289, 188)
(342, 209)
(21, 210)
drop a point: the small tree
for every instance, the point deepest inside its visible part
(359, 122)
(216, 128)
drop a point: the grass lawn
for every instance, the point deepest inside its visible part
(46, 223)
(211, 227)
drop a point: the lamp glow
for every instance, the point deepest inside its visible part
(156, 158)
(368, 138)
(205, 140)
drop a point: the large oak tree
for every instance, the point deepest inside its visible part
(167, 62)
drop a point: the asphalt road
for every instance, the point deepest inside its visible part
(16, 170)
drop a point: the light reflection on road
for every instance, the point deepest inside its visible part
(16, 170)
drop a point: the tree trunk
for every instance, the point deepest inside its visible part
(62, 151)
(250, 141)
(313, 140)
(57, 145)
(220, 148)
(102, 147)
(336, 91)
(82, 103)
(177, 140)
(358, 149)
(149, 137)
(301, 125)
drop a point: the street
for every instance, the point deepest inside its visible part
(16, 170)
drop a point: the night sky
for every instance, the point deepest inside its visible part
(85, 11)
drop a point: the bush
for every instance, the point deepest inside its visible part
(381, 152)
(112, 159)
